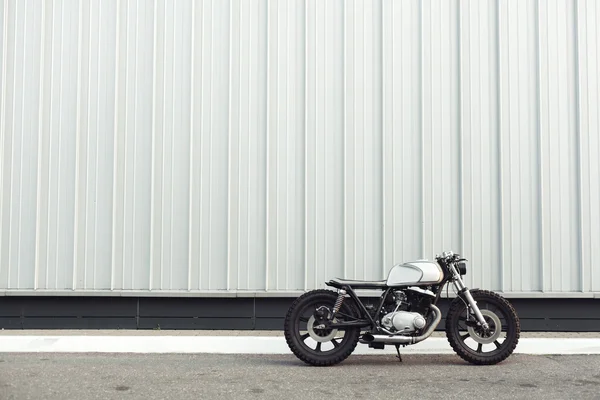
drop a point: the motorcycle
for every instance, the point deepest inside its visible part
(323, 328)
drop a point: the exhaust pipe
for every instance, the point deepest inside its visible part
(389, 339)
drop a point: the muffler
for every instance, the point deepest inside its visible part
(390, 339)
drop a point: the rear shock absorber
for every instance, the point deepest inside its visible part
(339, 301)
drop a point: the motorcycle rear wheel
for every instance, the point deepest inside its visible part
(474, 345)
(314, 346)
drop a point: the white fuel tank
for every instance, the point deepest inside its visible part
(421, 272)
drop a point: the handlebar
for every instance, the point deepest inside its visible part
(450, 256)
(446, 255)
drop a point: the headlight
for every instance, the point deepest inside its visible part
(462, 268)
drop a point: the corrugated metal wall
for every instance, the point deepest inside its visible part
(255, 144)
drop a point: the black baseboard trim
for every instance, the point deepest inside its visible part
(49, 312)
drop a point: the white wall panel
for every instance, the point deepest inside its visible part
(252, 145)
(588, 85)
(480, 56)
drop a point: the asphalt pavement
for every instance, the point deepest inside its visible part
(210, 376)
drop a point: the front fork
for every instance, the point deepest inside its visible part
(464, 291)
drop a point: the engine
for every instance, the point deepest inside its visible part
(403, 321)
(404, 311)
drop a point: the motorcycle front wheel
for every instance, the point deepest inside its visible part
(313, 344)
(470, 341)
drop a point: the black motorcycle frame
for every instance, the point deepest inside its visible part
(371, 322)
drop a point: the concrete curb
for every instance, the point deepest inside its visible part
(252, 345)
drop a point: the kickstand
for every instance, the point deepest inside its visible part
(398, 350)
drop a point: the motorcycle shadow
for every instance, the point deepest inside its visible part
(378, 360)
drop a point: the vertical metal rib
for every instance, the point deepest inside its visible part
(12, 152)
(500, 176)
(172, 149)
(191, 165)
(578, 149)
(77, 144)
(384, 204)
(97, 166)
(19, 232)
(539, 132)
(153, 157)
(162, 159)
(229, 158)
(267, 258)
(344, 133)
(135, 140)
(305, 145)
(60, 125)
(3, 119)
(39, 143)
(422, 130)
(116, 149)
(461, 186)
(47, 261)
(125, 145)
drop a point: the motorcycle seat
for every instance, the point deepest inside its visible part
(356, 284)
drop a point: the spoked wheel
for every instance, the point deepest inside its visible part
(471, 342)
(307, 336)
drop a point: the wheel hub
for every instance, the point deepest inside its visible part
(490, 336)
(320, 334)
